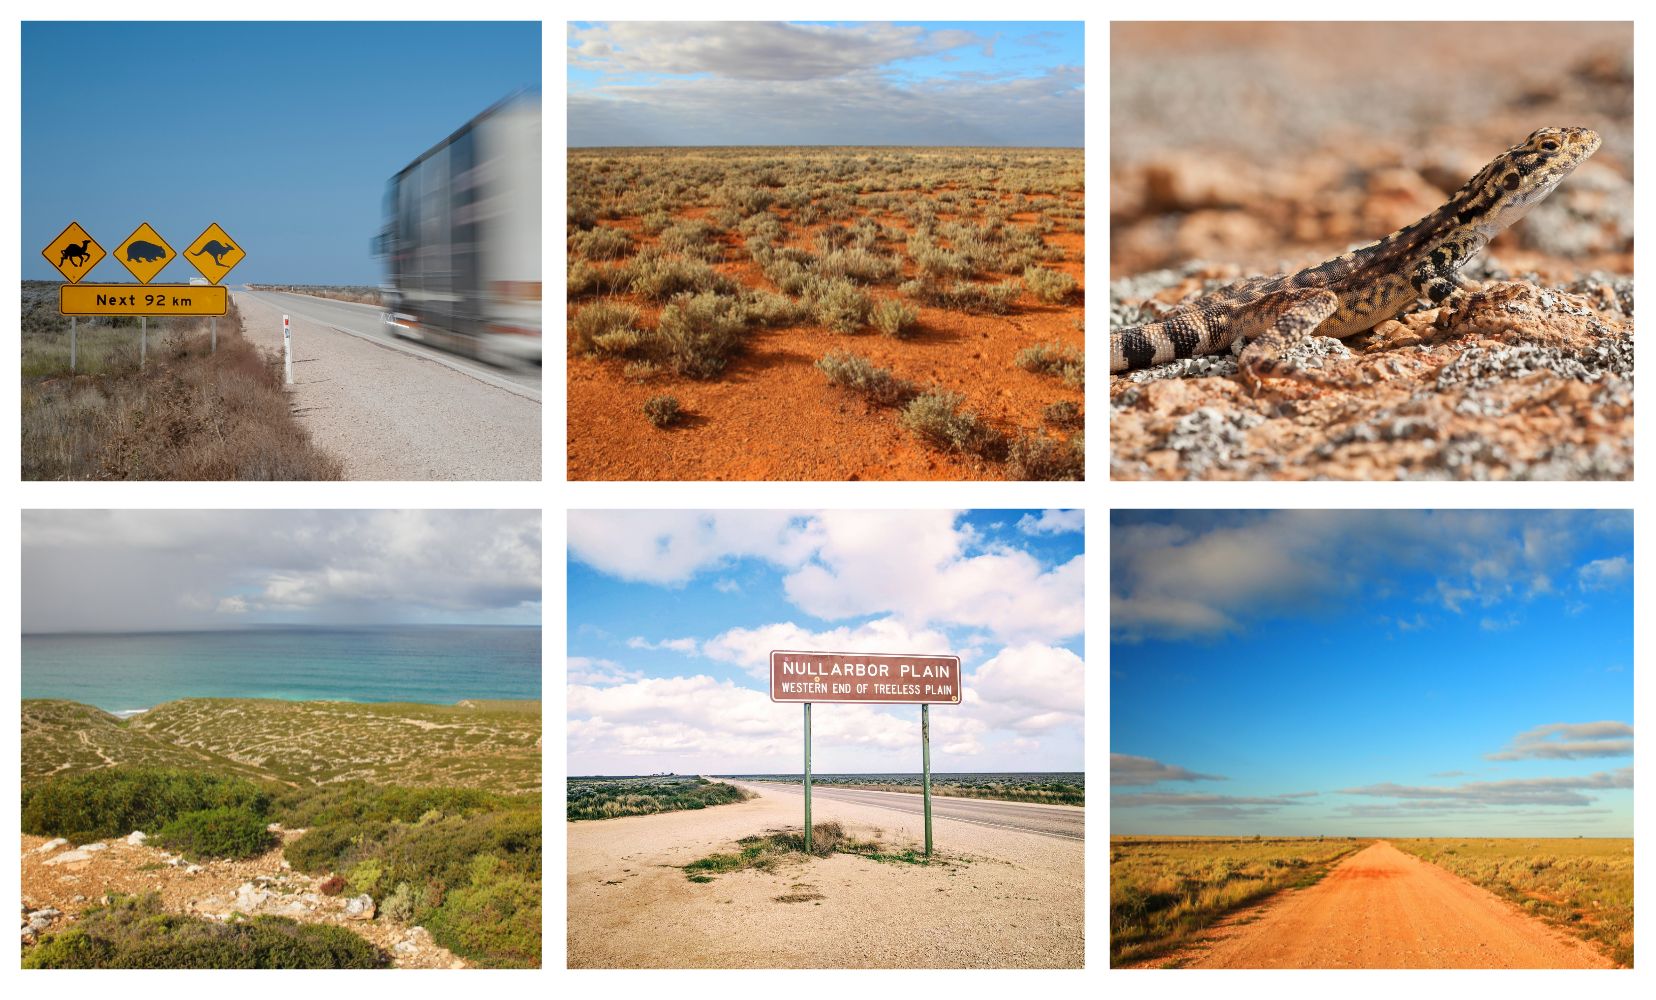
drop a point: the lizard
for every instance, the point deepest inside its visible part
(1262, 317)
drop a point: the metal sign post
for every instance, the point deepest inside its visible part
(72, 321)
(143, 340)
(287, 349)
(212, 328)
(807, 777)
(925, 763)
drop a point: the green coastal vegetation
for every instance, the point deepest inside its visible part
(607, 798)
(1065, 789)
(433, 811)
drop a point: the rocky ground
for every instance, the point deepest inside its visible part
(1343, 141)
(60, 881)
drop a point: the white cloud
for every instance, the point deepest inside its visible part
(1126, 769)
(233, 605)
(1052, 522)
(672, 546)
(1029, 688)
(686, 646)
(1602, 574)
(753, 50)
(597, 672)
(1569, 791)
(750, 648)
(1570, 741)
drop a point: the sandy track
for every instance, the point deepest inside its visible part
(390, 415)
(1012, 900)
(1067, 822)
(1383, 909)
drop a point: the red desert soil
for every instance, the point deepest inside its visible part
(1383, 909)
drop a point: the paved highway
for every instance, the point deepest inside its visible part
(1064, 822)
(366, 321)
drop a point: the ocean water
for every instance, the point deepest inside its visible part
(439, 664)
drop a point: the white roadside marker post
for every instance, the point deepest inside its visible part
(287, 348)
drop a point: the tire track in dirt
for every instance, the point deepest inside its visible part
(1383, 909)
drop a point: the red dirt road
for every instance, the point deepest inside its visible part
(1383, 909)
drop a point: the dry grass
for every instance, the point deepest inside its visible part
(345, 293)
(189, 415)
(1163, 891)
(1584, 885)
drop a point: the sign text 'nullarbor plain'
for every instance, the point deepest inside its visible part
(880, 678)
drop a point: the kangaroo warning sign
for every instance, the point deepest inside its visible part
(867, 678)
(213, 253)
(144, 253)
(73, 253)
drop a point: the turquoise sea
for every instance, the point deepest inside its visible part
(437, 664)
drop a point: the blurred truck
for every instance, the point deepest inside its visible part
(462, 239)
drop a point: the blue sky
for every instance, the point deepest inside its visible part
(935, 83)
(283, 133)
(1406, 673)
(673, 614)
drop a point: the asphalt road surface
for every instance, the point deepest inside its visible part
(393, 411)
(1064, 822)
(361, 320)
(1384, 909)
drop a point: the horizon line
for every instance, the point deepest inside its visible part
(256, 626)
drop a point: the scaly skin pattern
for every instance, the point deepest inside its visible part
(1263, 317)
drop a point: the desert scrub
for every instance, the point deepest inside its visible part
(895, 318)
(1039, 457)
(1065, 363)
(226, 832)
(115, 801)
(136, 932)
(607, 798)
(1064, 414)
(601, 243)
(658, 277)
(698, 334)
(694, 238)
(605, 328)
(963, 296)
(840, 305)
(859, 264)
(1048, 286)
(936, 417)
(857, 373)
(584, 279)
(769, 309)
(763, 853)
(663, 411)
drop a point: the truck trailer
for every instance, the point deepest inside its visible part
(462, 239)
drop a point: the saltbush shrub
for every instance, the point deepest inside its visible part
(855, 372)
(936, 416)
(1048, 286)
(840, 305)
(602, 243)
(662, 411)
(698, 334)
(1039, 457)
(894, 318)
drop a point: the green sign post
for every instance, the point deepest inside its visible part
(807, 777)
(925, 763)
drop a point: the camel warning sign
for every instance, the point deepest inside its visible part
(866, 678)
(213, 253)
(73, 253)
(144, 253)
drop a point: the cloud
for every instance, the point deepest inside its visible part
(1570, 741)
(1193, 799)
(1603, 574)
(686, 645)
(1201, 574)
(1125, 769)
(1449, 774)
(1029, 688)
(1517, 791)
(597, 672)
(754, 50)
(671, 546)
(1052, 522)
(750, 648)
(150, 569)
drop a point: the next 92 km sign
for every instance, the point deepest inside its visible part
(922, 679)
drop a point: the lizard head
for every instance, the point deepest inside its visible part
(1516, 180)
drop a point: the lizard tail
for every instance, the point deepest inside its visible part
(1136, 347)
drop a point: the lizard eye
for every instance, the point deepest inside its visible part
(1510, 182)
(1550, 145)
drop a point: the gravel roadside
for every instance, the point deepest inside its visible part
(393, 416)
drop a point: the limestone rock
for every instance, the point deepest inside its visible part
(360, 907)
(137, 837)
(49, 846)
(70, 857)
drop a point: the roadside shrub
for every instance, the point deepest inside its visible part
(659, 277)
(662, 411)
(494, 916)
(699, 334)
(602, 243)
(855, 372)
(895, 318)
(1039, 457)
(115, 801)
(136, 932)
(1064, 414)
(936, 417)
(1066, 363)
(225, 832)
(1048, 286)
(604, 328)
(840, 305)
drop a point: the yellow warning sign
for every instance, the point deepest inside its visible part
(144, 253)
(73, 253)
(213, 253)
(142, 300)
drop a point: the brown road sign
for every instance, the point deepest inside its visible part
(143, 300)
(870, 678)
(213, 253)
(144, 253)
(73, 253)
